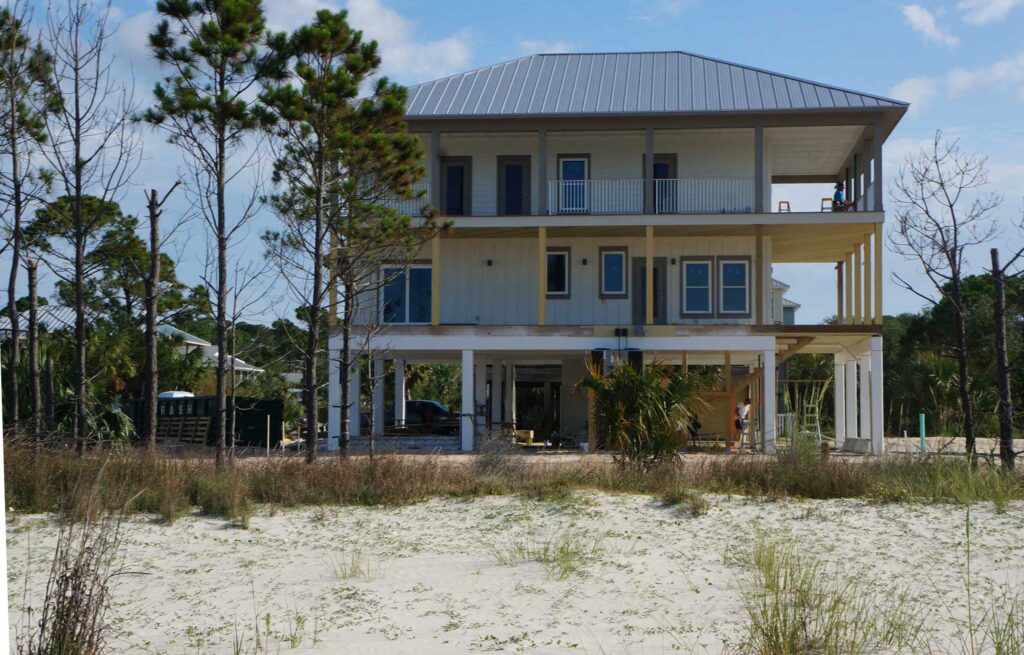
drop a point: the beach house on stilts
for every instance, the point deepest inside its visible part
(619, 206)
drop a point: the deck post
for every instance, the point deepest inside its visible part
(542, 172)
(869, 306)
(466, 413)
(876, 147)
(542, 273)
(510, 394)
(649, 276)
(768, 429)
(839, 398)
(435, 280)
(878, 315)
(877, 426)
(649, 207)
(378, 396)
(334, 409)
(759, 181)
(865, 396)
(840, 316)
(851, 397)
(496, 395)
(848, 288)
(480, 396)
(354, 388)
(435, 169)
(399, 392)
(858, 286)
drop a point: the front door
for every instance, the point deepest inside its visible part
(640, 290)
(513, 186)
(573, 173)
(455, 186)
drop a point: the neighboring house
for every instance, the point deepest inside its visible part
(52, 318)
(191, 342)
(605, 202)
(783, 309)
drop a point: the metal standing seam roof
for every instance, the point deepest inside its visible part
(626, 83)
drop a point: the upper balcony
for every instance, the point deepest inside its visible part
(609, 136)
(724, 175)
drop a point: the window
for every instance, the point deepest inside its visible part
(696, 287)
(613, 272)
(406, 297)
(734, 290)
(558, 273)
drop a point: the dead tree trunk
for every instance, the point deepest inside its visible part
(964, 381)
(152, 374)
(1006, 453)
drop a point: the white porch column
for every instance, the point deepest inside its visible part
(378, 396)
(865, 396)
(480, 396)
(877, 426)
(399, 392)
(334, 408)
(851, 398)
(354, 385)
(496, 395)
(839, 393)
(466, 421)
(768, 429)
(510, 394)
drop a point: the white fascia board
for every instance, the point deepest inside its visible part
(452, 343)
(664, 220)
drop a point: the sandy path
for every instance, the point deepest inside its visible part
(661, 581)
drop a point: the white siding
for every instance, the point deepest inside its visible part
(505, 292)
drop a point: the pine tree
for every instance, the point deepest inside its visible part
(212, 48)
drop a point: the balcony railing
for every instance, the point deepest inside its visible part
(596, 196)
(704, 196)
(412, 206)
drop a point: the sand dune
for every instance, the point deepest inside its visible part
(430, 578)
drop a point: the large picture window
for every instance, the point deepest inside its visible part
(734, 287)
(558, 273)
(613, 272)
(407, 295)
(697, 287)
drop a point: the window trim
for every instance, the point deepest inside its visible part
(405, 270)
(613, 295)
(733, 259)
(558, 295)
(710, 261)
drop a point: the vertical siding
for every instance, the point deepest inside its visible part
(505, 292)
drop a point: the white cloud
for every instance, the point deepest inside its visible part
(661, 9)
(534, 47)
(918, 91)
(923, 21)
(979, 12)
(1007, 73)
(405, 56)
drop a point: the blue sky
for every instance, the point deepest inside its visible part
(960, 63)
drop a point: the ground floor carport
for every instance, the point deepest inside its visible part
(494, 359)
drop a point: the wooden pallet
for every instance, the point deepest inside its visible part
(186, 429)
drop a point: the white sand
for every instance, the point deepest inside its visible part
(662, 582)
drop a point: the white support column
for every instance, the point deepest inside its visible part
(480, 396)
(510, 393)
(768, 429)
(851, 398)
(354, 386)
(466, 422)
(865, 396)
(839, 415)
(877, 426)
(399, 392)
(333, 400)
(497, 375)
(378, 396)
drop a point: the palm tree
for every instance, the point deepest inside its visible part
(645, 414)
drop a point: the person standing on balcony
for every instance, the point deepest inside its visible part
(839, 201)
